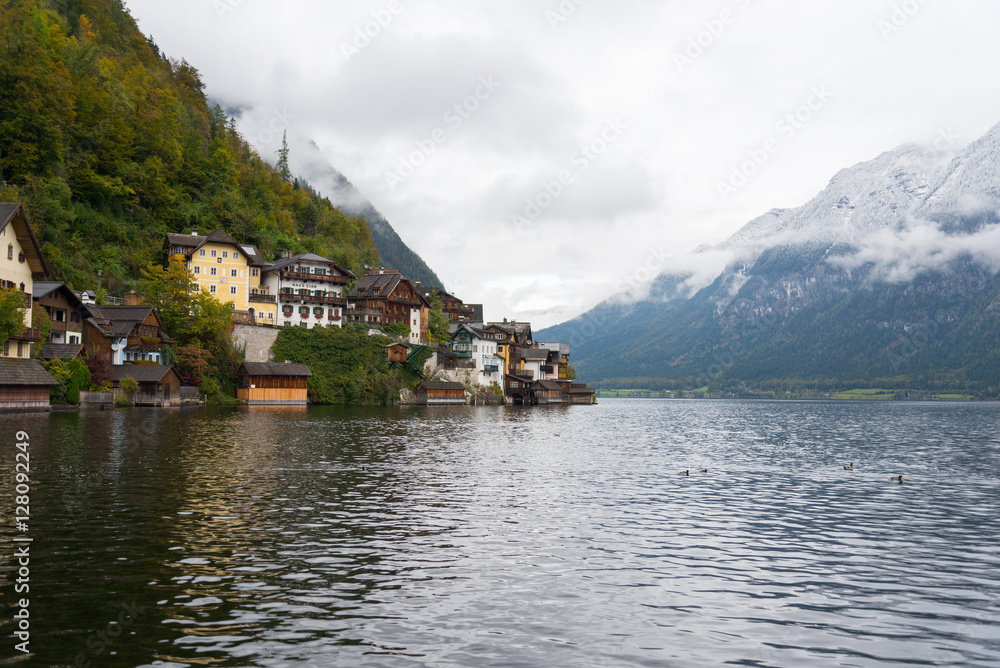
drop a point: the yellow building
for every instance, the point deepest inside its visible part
(229, 271)
(20, 266)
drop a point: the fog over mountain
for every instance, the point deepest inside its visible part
(908, 240)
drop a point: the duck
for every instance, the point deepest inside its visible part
(849, 467)
(897, 478)
(703, 471)
(686, 472)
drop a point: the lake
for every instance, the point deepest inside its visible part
(499, 536)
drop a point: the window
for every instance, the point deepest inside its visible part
(20, 258)
(22, 287)
(234, 273)
(213, 271)
(197, 271)
(10, 251)
(270, 316)
(255, 272)
(215, 253)
(232, 289)
(73, 338)
(20, 348)
(211, 289)
(225, 255)
(236, 256)
(58, 315)
(201, 253)
(196, 288)
(74, 317)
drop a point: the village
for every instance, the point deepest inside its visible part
(481, 362)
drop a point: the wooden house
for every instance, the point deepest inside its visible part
(549, 392)
(24, 385)
(264, 384)
(64, 308)
(397, 352)
(158, 385)
(434, 393)
(387, 297)
(128, 334)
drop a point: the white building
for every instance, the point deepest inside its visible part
(309, 289)
(480, 347)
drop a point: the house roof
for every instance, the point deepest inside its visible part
(440, 385)
(41, 289)
(63, 351)
(24, 372)
(143, 373)
(118, 321)
(275, 369)
(549, 385)
(382, 285)
(306, 257)
(187, 240)
(195, 241)
(12, 213)
(536, 354)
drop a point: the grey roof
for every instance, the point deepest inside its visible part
(537, 354)
(24, 372)
(550, 385)
(275, 369)
(381, 285)
(143, 373)
(63, 351)
(220, 237)
(188, 240)
(305, 257)
(440, 385)
(41, 288)
(120, 320)
(477, 312)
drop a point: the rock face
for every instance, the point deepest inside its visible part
(889, 273)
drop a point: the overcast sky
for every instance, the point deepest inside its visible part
(539, 153)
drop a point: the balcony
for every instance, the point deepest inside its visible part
(408, 302)
(262, 299)
(32, 335)
(491, 368)
(358, 312)
(313, 299)
(322, 278)
(548, 369)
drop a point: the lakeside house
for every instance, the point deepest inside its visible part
(65, 310)
(159, 385)
(479, 348)
(24, 384)
(266, 384)
(387, 297)
(433, 393)
(127, 333)
(309, 288)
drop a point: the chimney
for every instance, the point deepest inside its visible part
(132, 299)
(288, 254)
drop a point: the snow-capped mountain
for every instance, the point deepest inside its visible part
(906, 242)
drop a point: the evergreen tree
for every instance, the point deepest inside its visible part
(283, 169)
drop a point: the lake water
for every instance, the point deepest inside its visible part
(561, 536)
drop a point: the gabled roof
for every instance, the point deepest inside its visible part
(220, 237)
(550, 385)
(62, 351)
(275, 369)
(40, 289)
(440, 385)
(194, 241)
(186, 240)
(535, 354)
(473, 331)
(143, 373)
(118, 321)
(12, 213)
(306, 257)
(24, 372)
(382, 285)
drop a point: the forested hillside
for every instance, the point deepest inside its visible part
(111, 145)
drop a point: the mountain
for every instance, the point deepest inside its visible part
(393, 252)
(110, 145)
(887, 278)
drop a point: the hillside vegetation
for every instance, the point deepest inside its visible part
(110, 145)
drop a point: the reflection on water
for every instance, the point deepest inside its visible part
(506, 536)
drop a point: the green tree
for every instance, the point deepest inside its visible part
(12, 312)
(283, 169)
(438, 322)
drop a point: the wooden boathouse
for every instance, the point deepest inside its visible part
(24, 385)
(264, 384)
(433, 393)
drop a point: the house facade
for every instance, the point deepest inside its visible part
(309, 290)
(480, 347)
(229, 271)
(128, 334)
(64, 308)
(20, 266)
(386, 297)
